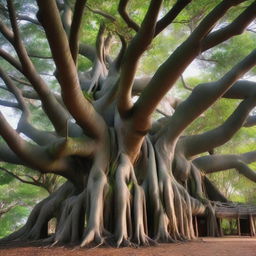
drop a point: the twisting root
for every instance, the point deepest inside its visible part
(94, 209)
(120, 206)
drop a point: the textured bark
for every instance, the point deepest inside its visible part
(128, 182)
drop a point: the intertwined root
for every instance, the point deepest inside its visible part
(116, 208)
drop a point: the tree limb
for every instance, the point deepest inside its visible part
(235, 28)
(104, 14)
(204, 95)
(75, 27)
(216, 163)
(133, 53)
(180, 58)
(80, 108)
(200, 143)
(53, 109)
(123, 13)
(11, 60)
(171, 15)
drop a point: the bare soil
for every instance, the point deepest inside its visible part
(227, 246)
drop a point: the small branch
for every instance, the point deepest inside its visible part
(7, 209)
(123, 13)
(120, 56)
(104, 14)
(20, 81)
(29, 19)
(16, 64)
(17, 177)
(162, 112)
(9, 104)
(32, 55)
(7, 33)
(185, 84)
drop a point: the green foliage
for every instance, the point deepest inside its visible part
(22, 197)
(13, 220)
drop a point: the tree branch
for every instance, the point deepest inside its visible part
(203, 96)
(53, 109)
(133, 53)
(27, 18)
(75, 27)
(33, 155)
(197, 144)
(216, 163)
(80, 108)
(235, 28)
(17, 177)
(11, 60)
(180, 58)
(9, 104)
(123, 13)
(104, 14)
(7, 33)
(171, 15)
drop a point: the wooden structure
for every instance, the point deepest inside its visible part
(243, 214)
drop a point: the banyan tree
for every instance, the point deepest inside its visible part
(132, 177)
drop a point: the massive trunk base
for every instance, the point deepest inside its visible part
(125, 205)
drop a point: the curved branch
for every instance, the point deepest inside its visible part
(9, 104)
(197, 144)
(87, 51)
(123, 13)
(216, 163)
(7, 155)
(24, 126)
(17, 177)
(56, 113)
(29, 19)
(33, 155)
(171, 15)
(103, 14)
(16, 92)
(80, 108)
(7, 33)
(185, 84)
(237, 27)
(203, 96)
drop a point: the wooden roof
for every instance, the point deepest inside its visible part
(234, 210)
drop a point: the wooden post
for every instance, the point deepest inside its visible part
(220, 227)
(238, 226)
(196, 226)
(252, 226)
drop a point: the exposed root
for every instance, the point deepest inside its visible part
(94, 209)
(124, 210)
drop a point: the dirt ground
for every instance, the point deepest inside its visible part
(228, 246)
